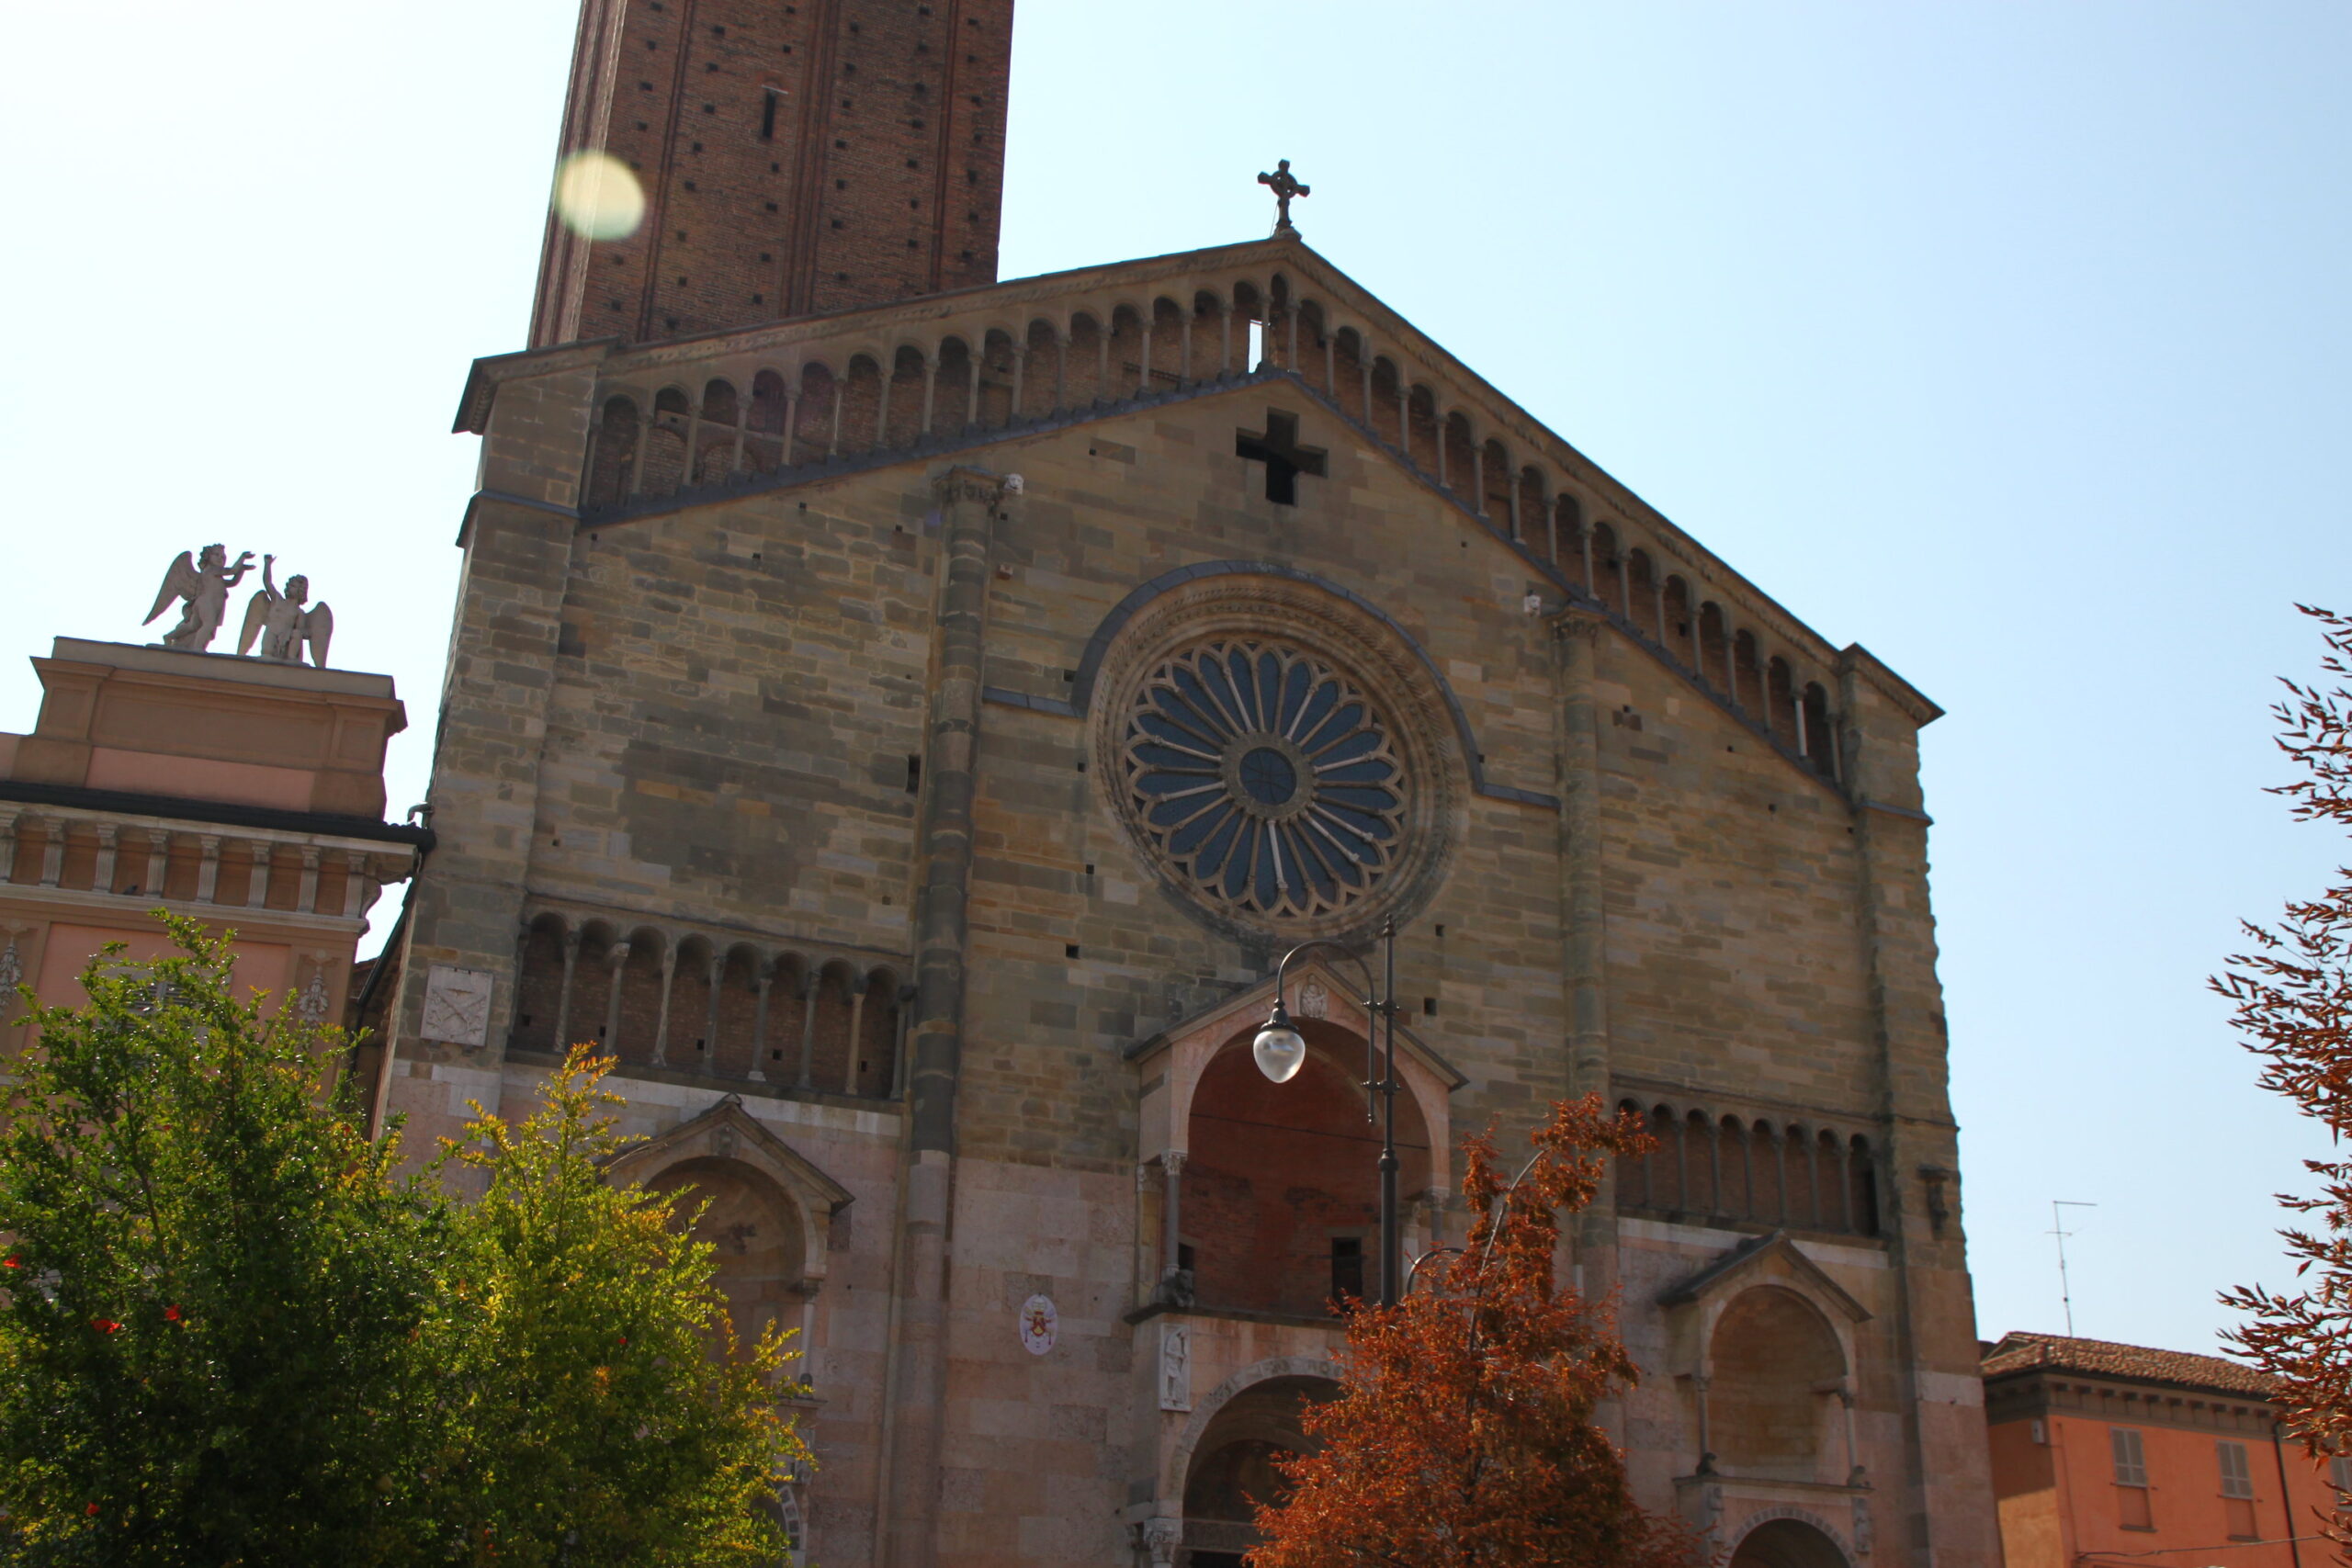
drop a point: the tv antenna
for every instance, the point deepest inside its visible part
(2058, 1228)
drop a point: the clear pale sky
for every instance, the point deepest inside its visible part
(2008, 340)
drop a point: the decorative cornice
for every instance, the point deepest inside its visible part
(167, 809)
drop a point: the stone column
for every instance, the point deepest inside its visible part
(760, 1024)
(354, 887)
(617, 960)
(1172, 1225)
(908, 1508)
(1699, 1383)
(159, 862)
(1946, 1497)
(102, 875)
(1583, 922)
(8, 819)
(710, 1029)
(810, 984)
(257, 879)
(661, 1015)
(1857, 1474)
(207, 874)
(306, 896)
(563, 998)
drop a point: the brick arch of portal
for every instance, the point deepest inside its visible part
(1787, 1537)
(1281, 1181)
(1202, 1426)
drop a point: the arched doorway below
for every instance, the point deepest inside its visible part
(1232, 1467)
(1787, 1543)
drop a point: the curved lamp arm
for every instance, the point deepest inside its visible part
(1280, 1050)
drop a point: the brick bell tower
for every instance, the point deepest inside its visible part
(795, 159)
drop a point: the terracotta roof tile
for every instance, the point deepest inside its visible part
(2102, 1357)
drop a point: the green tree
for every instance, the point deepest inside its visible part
(234, 1334)
(213, 1288)
(604, 1413)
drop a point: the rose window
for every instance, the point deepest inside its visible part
(1264, 778)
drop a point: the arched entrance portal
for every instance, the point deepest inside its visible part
(1233, 1466)
(1282, 1191)
(1787, 1543)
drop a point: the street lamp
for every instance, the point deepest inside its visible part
(1281, 1051)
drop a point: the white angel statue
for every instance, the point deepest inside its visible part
(283, 625)
(204, 582)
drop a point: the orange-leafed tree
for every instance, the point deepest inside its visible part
(1463, 1436)
(2292, 993)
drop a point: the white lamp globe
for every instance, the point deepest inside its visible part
(1280, 1050)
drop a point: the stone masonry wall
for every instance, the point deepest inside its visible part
(732, 697)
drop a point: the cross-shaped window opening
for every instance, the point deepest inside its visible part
(1285, 459)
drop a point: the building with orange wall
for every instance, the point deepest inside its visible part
(2116, 1454)
(244, 793)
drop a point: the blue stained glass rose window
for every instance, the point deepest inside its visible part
(1265, 778)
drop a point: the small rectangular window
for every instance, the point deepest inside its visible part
(2237, 1476)
(2130, 1463)
(914, 776)
(1347, 1268)
(768, 99)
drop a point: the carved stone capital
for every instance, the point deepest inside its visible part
(960, 484)
(1581, 623)
(1159, 1538)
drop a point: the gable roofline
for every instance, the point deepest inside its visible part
(881, 332)
(1748, 1256)
(932, 448)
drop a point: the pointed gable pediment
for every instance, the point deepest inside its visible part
(728, 1131)
(1316, 991)
(1775, 1259)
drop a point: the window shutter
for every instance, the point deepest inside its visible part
(2237, 1476)
(2131, 1465)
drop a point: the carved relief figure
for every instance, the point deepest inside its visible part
(284, 625)
(204, 582)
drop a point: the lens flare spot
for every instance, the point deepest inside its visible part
(598, 198)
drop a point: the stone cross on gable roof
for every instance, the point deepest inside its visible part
(1284, 184)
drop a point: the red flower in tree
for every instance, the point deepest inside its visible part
(171, 1315)
(10, 1263)
(104, 1325)
(92, 1510)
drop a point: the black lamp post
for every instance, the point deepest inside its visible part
(1281, 1051)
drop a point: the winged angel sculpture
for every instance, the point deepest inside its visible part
(283, 625)
(204, 582)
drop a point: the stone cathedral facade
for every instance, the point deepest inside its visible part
(902, 716)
